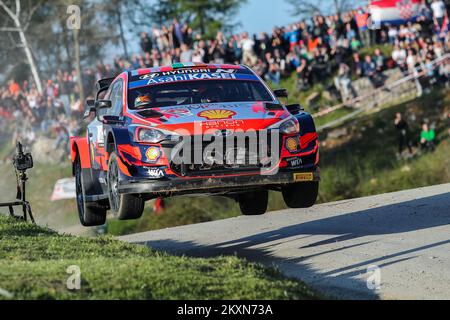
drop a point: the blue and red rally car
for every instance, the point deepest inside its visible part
(191, 129)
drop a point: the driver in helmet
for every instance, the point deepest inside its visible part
(142, 101)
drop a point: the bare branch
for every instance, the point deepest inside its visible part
(18, 9)
(6, 29)
(8, 11)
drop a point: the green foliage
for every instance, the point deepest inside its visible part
(34, 260)
(204, 16)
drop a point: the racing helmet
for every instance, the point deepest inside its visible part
(142, 101)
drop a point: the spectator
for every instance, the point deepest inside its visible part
(399, 56)
(248, 54)
(146, 43)
(379, 60)
(439, 12)
(186, 53)
(357, 65)
(364, 32)
(427, 138)
(343, 83)
(402, 129)
(303, 75)
(14, 88)
(274, 75)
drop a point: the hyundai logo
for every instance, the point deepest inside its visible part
(223, 133)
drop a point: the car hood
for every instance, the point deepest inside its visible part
(234, 116)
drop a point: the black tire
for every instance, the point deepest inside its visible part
(90, 214)
(254, 203)
(123, 206)
(301, 195)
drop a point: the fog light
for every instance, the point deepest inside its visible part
(153, 154)
(292, 144)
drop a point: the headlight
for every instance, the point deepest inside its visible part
(150, 135)
(290, 126)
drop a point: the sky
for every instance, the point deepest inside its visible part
(262, 15)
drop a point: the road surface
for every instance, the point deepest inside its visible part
(406, 235)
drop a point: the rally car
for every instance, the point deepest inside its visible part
(192, 129)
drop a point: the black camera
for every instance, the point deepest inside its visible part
(22, 161)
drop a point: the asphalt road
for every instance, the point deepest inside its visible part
(406, 235)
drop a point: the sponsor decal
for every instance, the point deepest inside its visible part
(177, 112)
(292, 144)
(217, 114)
(191, 77)
(303, 177)
(294, 162)
(155, 173)
(226, 70)
(223, 133)
(149, 76)
(185, 71)
(223, 124)
(153, 154)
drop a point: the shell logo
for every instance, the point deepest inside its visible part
(217, 114)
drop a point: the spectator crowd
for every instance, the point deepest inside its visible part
(339, 47)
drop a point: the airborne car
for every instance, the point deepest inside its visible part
(192, 129)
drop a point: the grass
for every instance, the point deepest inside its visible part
(34, 260)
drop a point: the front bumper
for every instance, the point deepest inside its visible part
(215, 185)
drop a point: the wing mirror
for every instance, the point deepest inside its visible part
(105, 118)
(90, 108)
(103, 104)
(281, 93)
(295, 108)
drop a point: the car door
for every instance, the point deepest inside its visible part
(96, 134)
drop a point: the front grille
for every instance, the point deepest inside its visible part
(230, 154)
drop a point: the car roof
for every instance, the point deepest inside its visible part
(185, 65)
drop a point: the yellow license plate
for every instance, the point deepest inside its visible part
(302, 177)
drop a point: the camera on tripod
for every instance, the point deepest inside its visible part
(22, 161)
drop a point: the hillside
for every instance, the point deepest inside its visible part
(34, 260)
(358, 161)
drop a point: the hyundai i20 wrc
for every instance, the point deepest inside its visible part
(192, 129)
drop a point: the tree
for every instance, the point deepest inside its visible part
(205, 16)
(308, 8)
(20, 20)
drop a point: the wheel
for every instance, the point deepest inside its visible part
(301, 195)
(254, 203)
(90, 214)
(123, 206)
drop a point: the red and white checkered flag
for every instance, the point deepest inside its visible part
(406, 9)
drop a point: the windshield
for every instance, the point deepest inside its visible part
(197, 92)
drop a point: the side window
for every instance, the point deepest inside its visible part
(116, 99)
(109, 95)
